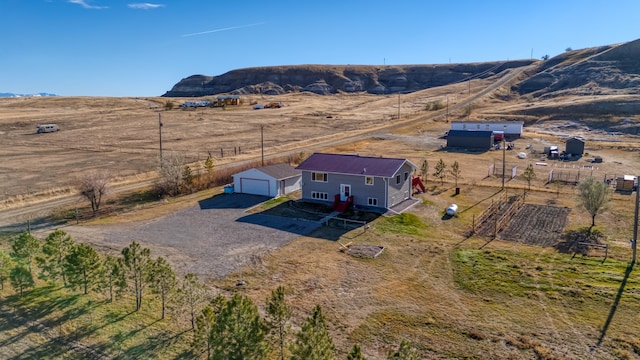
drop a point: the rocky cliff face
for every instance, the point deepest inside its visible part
(329, 79)
(605, 70)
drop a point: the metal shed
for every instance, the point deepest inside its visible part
(575, 146)
(271, 180)
(511, 129)
(476, 140)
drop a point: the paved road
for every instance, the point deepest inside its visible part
(211, 239)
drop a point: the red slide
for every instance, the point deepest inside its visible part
(416, 182)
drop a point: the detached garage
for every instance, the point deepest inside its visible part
(272, 180)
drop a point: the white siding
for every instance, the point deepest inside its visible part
(256, 182)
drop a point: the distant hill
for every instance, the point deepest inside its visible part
(330, 79)
(604, 70)
(12, 95)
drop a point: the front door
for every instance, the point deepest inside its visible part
(345, 192)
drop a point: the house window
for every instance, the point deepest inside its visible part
(406, 175)
(319, 195)
(398, 179)
(372, 201)
(320, 177)
(368, 180)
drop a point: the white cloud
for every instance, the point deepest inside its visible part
(145, 6)
(84, 4)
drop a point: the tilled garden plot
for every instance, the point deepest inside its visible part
(537, 225)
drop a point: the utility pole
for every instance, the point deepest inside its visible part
(262, 142)
(160, 132)
(504, 156)
(398, 106)
(447, 118)
(635, 223)
(469, 109)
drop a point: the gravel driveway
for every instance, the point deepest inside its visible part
(211, 239)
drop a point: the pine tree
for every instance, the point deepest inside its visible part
(238, 331)
(190, 294)
(56, 247)
(187, 176)
(204, 323)
(6, 265)
(405, 352)
(21, 278)
(83, 267)
(208, 165)
(313, 341)
(25, 247)
(113, 275)
(356, 354)
(136, 262)
(278, 315)
(163, 280)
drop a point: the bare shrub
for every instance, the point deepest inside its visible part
(170, 172)
(93, 186)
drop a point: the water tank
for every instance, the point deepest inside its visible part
(452, 209)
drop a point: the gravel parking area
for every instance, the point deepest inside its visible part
(211, 239)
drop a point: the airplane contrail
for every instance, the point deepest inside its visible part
(223, 29)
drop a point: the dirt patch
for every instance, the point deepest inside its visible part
(365, 251)
(537, 225)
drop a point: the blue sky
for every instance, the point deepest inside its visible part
(129, 48)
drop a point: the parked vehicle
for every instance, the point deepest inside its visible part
(47, 128)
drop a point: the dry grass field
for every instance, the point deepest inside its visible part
(452, 295)
(122, 134)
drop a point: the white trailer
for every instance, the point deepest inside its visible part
(510, 128)
(47, 128)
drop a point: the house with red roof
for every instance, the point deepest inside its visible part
(362, 181)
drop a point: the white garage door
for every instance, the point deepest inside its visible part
(254, 186)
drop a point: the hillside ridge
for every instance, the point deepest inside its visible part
(331, 79)
(601, 70)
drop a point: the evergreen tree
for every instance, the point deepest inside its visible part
(455, 171)
(313, 341)
(136, 263)
(56, 247)
(190, 294)
(405, 352)
(208, 165)
(163, 280)
(21, 278)
(356, 354)
(83, 267)
(187, 176)
(529, 175)
(238, 331)
(113, 275)
(278, 315)
(204, 324)
(6, 265)
(24, 249)
(440, 171)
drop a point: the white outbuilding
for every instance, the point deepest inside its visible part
(271, 180)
